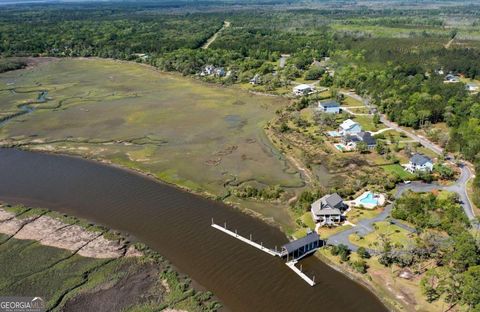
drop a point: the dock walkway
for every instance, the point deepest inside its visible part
(291, 265)
(246, 240)
(275, 253)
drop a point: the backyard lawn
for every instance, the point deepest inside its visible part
(367, 123)
(396, 235)
(399, 170)
(358, 214)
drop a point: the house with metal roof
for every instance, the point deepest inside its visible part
(472, 87)
(330, 107)
(349, 127)
(419, 162)
(302, 246)
(303, 89)
(328, 209)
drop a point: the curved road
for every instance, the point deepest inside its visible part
(365, 226)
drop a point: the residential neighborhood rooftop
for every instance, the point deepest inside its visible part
(331, 103)
(420, 159)
(347, 124)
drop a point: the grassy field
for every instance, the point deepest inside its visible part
(396, 234)
(184, 132)
(358, 214)
(367, 123)
(398, 170)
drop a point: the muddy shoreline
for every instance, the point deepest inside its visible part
(150, 176)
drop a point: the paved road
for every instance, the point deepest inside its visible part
(460, 187)
(425, 142)
(365, 226)
(431, 146)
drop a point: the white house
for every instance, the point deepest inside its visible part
(328, 209)
(256, 80)
(330, 107)
(349, 127)
(471, 87)
(303, 89)
(451, 78)
(419, 162)
(207, 70)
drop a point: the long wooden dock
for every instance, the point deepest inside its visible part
(246, 240)
(291, 264)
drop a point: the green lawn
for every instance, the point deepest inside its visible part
(358, 214)
(399, 170)
(367, 123)
(394, 233)
(349, 101)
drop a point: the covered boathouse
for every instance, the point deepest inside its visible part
(301, 247)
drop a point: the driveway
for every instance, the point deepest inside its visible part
(365, 226)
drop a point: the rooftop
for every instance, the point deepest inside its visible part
(347, 124)
(299, 243)
(302, 87)
(332, 201)
(329, 104)
(420, 159)
(367, 137)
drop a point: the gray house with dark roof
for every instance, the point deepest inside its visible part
(328, 209)
(419, 162)
(362, 136)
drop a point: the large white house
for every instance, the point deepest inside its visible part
(303, 89)
(419, 162)
(471, 87)
(349, 127)
(328, 209)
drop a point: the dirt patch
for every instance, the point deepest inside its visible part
(12, 226)
(52, 232)
(102, 248)
(134, 288)
(5, 215)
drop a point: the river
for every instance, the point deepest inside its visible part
(177, 225)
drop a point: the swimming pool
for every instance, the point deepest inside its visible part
(369, 199)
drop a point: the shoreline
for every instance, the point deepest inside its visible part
(203, 194)
(334, 266)
(59, 233)
(362, 281)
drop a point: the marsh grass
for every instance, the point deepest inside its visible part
(182, 131)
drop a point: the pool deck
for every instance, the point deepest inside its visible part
(369, 205)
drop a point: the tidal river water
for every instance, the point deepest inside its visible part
(177, 225)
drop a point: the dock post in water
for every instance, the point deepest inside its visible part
(293, 251)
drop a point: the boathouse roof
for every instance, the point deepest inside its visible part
(299, 243)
